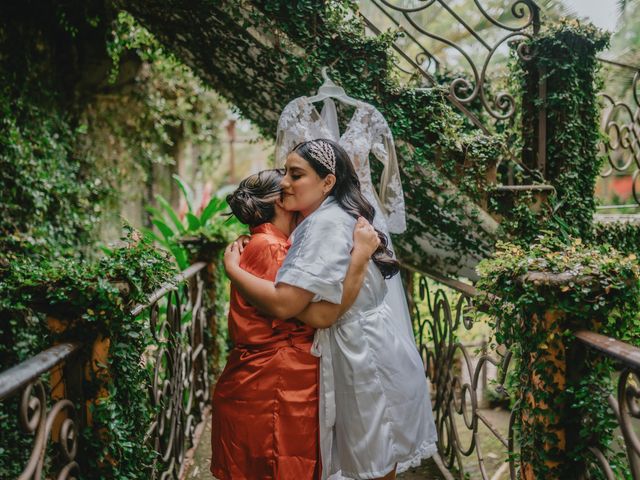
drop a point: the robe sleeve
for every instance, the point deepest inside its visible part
(390, 192)
(319, 257)
(262, 257)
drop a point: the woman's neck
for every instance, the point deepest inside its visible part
(283, 221)
(305, 213)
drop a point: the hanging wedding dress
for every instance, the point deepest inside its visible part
(366, 133)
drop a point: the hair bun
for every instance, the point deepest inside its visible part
(253, 202)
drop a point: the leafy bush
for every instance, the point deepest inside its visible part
(601, 293)
(199, 235)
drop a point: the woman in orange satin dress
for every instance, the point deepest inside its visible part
(265, 404)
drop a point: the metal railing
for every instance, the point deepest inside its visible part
(180, 383)
(47, 415)
(625, 404)
(50, 384)
(469, 44)
(457, 373)
(445, 45)
(620, 122)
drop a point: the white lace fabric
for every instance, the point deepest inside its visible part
(366, 133)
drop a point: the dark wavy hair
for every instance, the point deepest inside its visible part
(253, 202)
(348, 195)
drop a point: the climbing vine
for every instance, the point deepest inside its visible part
(564, 56)
(534, 316)
(274, 51)
(624, 236)
(89, 299)
(56, 188)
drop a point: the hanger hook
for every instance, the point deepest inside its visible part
(324, 73)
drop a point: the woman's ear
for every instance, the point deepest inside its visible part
(329, 182)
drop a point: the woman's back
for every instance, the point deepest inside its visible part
(262, 257)
(265, 404)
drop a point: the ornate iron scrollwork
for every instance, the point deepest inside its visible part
(455, 374)
(463, 89)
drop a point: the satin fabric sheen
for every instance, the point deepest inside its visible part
(265, 404)
(375, 411)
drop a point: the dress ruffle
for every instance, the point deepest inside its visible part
(426, 450)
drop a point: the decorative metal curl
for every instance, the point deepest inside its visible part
(620, 122)
(36, 420)
(629, 409)
(519, 9)
(445, 361)
(462, 90)
(626, 407)
(180, 379)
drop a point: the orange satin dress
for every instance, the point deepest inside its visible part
(265, 404)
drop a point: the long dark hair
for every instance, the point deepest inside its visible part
(347, 193)
(253, 202)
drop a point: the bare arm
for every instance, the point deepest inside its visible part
(279, 301)
(324, 314)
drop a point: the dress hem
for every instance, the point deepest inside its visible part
(426, 450)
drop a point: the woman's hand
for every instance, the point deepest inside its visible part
(365, 241)
(242, 241)
(232, 256)
(233, 251)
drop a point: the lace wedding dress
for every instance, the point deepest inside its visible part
(366, 133)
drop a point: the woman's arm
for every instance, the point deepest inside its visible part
(324, 314)
(287, 301)
(279, 301)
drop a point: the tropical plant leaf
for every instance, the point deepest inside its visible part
(215, 205)
(194, 222)
(165, 230)
(171, 212)
(186, 191)
(154, 211)
(180, 254)
(151, 235)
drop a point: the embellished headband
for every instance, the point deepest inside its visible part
(323, 153)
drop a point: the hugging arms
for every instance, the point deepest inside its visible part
(287, 301)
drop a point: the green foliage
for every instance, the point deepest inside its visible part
(603, 294)
(49, 195)
(94, 299)
(168, 105)
(289, 44)
(624, 236)
(565, 54)
(67, 138)
(200, 235)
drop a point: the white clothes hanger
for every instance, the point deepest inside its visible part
(327, 92)
(330, 90)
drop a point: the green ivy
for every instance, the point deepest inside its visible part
(607, 299)
(56, 180)
(624, 236)
(96, 298)
(289, 43)
(565, 54)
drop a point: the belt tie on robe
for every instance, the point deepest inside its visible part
(321, 348)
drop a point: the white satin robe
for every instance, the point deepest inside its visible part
(375, 410)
